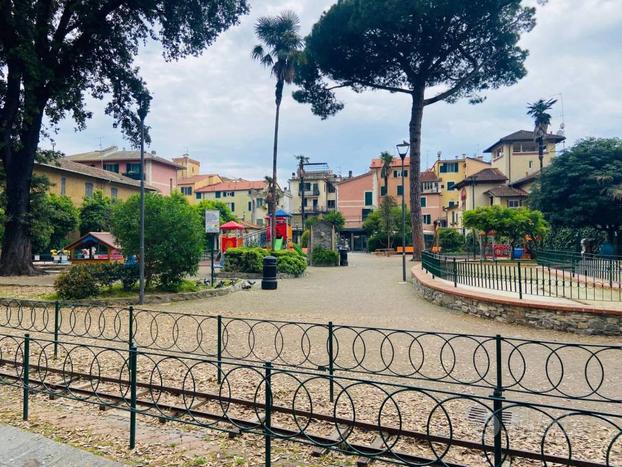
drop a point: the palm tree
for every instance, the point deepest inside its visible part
(387, 160)
(542, 119)
(281, 53)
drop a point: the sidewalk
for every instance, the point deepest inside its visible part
(19, 448)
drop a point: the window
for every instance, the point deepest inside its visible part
(383, 191)
(514, 203)
(198, 195)
(250, 205)
(232, 206)
(332, 204)
(88, 190)
(452, 204)
(451, 185)
(260, 202)
(306, 202)
(497, 154)
(429, 186)
(132, 167)
(187, 190)
(369, 200)
(63, 185)
(424, 201)
(112, 168)
(400, 190)
(427, 219)
(218, 194)
(114, 193)
(366, 213)
(331, 187)
(398, 173)
(449, 167)
(524, 147)
(530, 164)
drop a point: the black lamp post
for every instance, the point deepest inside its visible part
(402, 150)
(143, 109)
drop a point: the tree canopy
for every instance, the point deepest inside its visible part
(53, 55)
(460, 48)
(583, 186)
(95, 214)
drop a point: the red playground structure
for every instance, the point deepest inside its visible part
(283, 229)
(232, 236)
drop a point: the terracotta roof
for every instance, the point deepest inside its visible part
(397, 162)
(428, 176)
(67, 165)
(104, 237)
(194, 179)
(483, 176)
(524, 135)
(525, 180)
(113, 154)
(241, 185)
(504, 191)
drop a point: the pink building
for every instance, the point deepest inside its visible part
(160, 173)
(356, 198)
(431, 202)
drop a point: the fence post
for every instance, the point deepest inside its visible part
(331, 361)
(26, 376)
(498, 404)
(219, 347)
(520, 283)
(56, 327)
(610, 273)
(130, 337)
(268, 418)
(133, 370)
(455, 273)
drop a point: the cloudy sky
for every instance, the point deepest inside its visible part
(219, 107)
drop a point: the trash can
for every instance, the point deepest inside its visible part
(518, 253)
(343, 257)
(269, 281)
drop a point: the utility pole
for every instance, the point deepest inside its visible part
(302, 160)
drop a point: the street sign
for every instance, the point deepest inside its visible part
(212, 222)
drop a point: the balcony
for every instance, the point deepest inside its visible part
(311, 193)
(133, 175)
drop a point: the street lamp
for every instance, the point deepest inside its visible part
(402, 150)
(143, 109)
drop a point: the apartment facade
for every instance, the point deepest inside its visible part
(394, 179)
(431, 201)
(79, 181)
(160, 173)
(450, 172)
(356, 199)
(187, 167)
(319, 195)
(190, 186)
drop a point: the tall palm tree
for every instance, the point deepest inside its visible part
(281, 52)
(387, 160)
(542, 119)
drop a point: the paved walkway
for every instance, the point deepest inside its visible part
(19, 448)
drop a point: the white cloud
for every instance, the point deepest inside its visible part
(220, 106)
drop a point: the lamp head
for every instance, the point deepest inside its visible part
(402, 149)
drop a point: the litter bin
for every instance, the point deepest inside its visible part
(518, 253)
(343, 257)
(269, 281)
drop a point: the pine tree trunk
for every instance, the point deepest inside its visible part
(414, 175)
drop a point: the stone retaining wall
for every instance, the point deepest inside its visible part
(580, 321)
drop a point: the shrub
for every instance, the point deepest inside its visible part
(77, 283)
(298, 250)
(245, 259)
(451, 239)
(129, 275)
(304, 240)
(290, 262)
(324, 257)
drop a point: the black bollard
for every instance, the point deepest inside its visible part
(269, 281)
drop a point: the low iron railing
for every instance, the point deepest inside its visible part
(397, 423)
(582, 372)
(523, 278)
(606, 268)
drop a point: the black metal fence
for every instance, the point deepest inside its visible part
(606, 268)
(582, 372)
(523, 278)
(397, 423)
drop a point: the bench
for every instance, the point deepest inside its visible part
(409, 249)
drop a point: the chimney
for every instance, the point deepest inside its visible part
(350, 174)
(153, 153)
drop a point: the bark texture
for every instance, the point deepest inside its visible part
(416, 119)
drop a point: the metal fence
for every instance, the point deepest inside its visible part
(397, 423)
(606, 268)
(582, 372)
(523, 278)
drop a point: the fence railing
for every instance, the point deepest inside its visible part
(605, 268)
(524, 278)
(582, 372)
(397, 423)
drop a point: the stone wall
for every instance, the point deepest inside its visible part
(597, 322)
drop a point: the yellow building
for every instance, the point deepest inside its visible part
(246, 199)
(450, 172)
(516, 155)
(187, 167)
(79, 181)
(190, 186)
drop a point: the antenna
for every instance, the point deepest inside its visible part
(100, 143)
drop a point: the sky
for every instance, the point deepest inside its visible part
(219, 107)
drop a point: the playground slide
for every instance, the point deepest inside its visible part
(278, 245)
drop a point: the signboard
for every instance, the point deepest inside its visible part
(212, 222)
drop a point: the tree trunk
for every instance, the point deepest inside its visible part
(414, 175)
(279, 97)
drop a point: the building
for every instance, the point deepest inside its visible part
(474, 192)
(247, 199)
(394, 179)
(187, 167)
(160, 173)
(356, 198)
(320, 192)
(190, 186)
(431, 201)
(450, 172)
(79, 181)
(516, 155)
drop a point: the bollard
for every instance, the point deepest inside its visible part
(268, 419)
(26, 376)
(269, 281)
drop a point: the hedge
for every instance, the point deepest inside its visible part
(86, 280)
(321, 256)
(250, 260)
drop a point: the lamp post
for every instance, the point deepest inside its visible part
(143, 108)
(402, 150)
